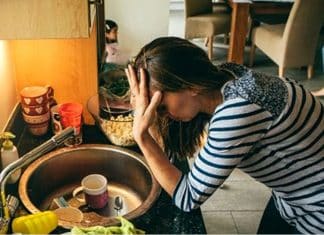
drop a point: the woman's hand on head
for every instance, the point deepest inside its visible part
(144, 107)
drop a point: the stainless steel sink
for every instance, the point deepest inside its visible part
(130, 182)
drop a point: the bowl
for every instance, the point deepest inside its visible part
(114, 85)
(115, 119)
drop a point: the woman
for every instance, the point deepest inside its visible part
(270, 128)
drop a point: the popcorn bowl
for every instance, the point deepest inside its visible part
(114, 119)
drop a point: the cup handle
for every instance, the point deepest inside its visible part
(76, 192)
(50, 95)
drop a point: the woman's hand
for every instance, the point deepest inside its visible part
(144, 107)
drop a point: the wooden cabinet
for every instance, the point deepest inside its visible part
(46, 19)
(67, 65)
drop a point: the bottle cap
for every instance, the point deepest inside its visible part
(7, 143)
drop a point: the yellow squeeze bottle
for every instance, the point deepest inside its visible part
(39, 223)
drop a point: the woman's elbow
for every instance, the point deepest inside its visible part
(188, 207)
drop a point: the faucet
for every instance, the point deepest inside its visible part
(25, 160)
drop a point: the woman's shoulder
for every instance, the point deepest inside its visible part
(268, 91)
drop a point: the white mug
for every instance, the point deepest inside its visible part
(94, 187)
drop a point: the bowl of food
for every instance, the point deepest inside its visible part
(115, 119)
(113, 85)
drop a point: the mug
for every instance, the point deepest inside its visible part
(95, 191)
(55, 118)
(38, 129)
(37, 124)
(36, 102)
(36, 95)
(35, 109)
(37, 119)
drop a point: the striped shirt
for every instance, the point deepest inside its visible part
(272, 129)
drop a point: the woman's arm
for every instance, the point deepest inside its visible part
(235, 128)
(144, 113)
(166, 174)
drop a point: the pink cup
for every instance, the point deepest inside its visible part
(95, 191)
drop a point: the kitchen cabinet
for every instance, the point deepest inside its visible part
(68, 65)
(46, 19)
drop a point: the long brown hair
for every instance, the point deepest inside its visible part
(174, 64)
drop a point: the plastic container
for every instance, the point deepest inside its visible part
(39, 223)
(9, 154)
(71, 115)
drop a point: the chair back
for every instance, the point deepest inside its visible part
(197, 7)
(302, 32)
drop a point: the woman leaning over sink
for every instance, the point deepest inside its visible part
(271, 128)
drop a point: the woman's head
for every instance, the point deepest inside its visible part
(175, 64)
(111, 31)
(182, 71)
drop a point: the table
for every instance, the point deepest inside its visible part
(239, 22)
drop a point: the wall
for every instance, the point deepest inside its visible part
(7, 83)
(139, 21)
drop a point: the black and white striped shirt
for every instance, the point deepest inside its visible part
(272, 129)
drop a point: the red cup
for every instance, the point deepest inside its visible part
(71, 115)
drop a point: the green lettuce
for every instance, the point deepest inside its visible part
(125, 228)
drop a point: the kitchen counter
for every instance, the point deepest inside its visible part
(163, 217)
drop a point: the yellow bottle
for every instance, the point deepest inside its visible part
(39, 223)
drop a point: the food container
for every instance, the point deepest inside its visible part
(114, 119)
(114, 85)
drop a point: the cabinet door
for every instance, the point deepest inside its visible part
(42, 19)
(69, 66)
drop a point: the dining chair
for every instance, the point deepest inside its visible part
(202, 22)
(269, 13)
(221, 6)
(292, 44)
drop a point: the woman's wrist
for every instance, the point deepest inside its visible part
(142, 138)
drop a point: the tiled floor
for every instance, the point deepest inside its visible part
(237, 208)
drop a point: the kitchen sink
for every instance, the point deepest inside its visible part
(132, 188)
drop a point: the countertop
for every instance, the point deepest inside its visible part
(163, 217)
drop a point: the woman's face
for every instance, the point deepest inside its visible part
(180, 106)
